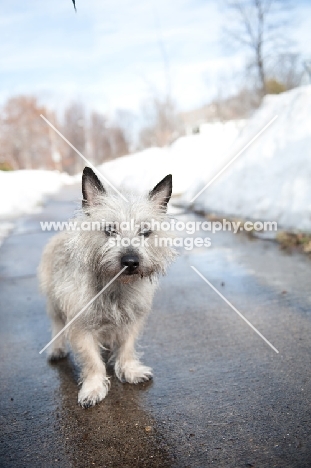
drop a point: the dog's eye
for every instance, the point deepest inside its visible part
(145, 232)
(110, 231)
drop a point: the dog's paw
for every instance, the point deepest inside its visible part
(133, 372)
(92, 392)
(57, 354)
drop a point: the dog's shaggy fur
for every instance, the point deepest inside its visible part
(76, 265)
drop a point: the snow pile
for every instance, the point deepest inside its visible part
(185, 159)
(271, 180)
(23, 191)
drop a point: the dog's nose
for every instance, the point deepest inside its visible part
(131, 261)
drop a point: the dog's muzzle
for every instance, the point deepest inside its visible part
(131, 261)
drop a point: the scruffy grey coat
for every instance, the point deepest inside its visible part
(77, 265)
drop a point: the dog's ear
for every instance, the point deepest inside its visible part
(91, 188)
(162, 192)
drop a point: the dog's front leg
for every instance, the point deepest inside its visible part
(127, 367)
(95, 383)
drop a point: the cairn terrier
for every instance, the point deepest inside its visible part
(76, 266)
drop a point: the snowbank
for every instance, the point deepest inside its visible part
(23, 191)
(185, 159)
(272, 179)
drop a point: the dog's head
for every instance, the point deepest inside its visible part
(130, 232)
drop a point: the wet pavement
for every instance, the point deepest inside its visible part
(220, 395)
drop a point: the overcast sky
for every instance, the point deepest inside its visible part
(112, 53)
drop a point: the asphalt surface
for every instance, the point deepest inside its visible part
(220, 396)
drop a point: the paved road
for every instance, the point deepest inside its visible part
(220, 397)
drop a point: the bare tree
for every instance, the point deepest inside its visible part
(27, 142)
(74, 128)
(24, 137)
(107, 140)
(127, 121)
(288, 70)
(260, 27)
(99, 141)
(163, 122)
(119, 143)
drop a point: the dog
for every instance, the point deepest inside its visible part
(76, 265)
